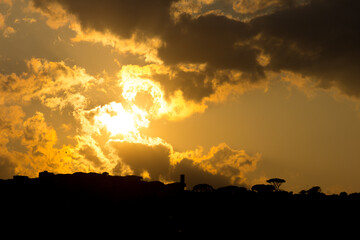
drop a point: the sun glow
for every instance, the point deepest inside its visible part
(133, 86)
(118, 124)
(119, 120)
(127, 118)
(143, 100)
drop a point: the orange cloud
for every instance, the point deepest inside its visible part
(221, 166)
(8, 2)
(53, 83)
(2, 21)
(192, 7)
(41, 154)
(222, 161)
(107, 134)
(253, 6)
(29, 146)
(105, 144)
(146, 47)
(36, 149)
(167, 91)
(55, 14)
(10, 123)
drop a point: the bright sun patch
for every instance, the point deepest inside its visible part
(124, 120)
(122, 124)
(119, 120)
(133, 86)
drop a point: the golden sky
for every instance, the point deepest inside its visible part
(227, 92)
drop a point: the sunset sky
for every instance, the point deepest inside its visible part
(227, 92)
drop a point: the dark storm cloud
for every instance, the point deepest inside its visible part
(223, 166)
(196, 175)
(218, 41)
(141, 157)
(210, 39)
(90, 155)
(192, 84)
(120, 17)
(319, 39)
(7, 167)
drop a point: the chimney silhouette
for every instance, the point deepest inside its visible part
(182, 180)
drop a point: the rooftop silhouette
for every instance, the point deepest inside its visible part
(129, 204)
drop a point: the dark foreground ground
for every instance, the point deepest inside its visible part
(84, 205)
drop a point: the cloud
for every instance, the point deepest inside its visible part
(221, 166)
(180, 93)
(194, 174)
(105, 135)
(129, 16)
(216, 40)
(315, 38)
(27, 146)
(191, 7)
(90, 155)
(190, 58)
(54, 83)
(140, 157)
(145, 48)
(229, 162)
(8, 31)
(7, 167)
(27, 143)
(319, 40)
(11, 121)
(37, 134)
(262, 7)
(56, 15)
(8, 2)
(167, 100)
(102, 147)
(41, 154)
(151, 31)
(2, 21)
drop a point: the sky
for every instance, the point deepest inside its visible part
(227, 92)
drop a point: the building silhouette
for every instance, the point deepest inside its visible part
(85, 204)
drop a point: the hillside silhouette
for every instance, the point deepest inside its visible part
(93, 203)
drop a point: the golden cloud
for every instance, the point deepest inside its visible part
(111, 140)
(8, 2)
(107, 134)
(221, 160)
(10, 123)
(2, 21)
(54, 83)
(38, 139)
(253, 6)
(168, 99)
(55, 14)
(146, 47)
(192, 7)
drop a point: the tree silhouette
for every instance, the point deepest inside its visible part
(276, 182)
(203, 188)
(262, 188)
(316, 190)
(312, 192)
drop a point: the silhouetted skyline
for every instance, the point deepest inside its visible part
(138, 187)
(129, 204)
